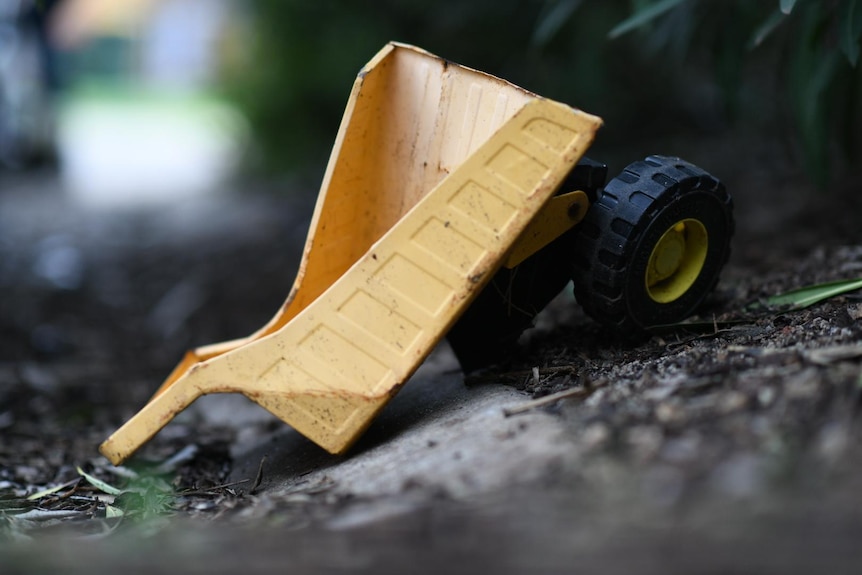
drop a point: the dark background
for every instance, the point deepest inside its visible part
(700, 69)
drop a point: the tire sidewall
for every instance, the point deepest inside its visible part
(681, 203)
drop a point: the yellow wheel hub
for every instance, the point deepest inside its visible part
(676, 260)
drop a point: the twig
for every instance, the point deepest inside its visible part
(718, 332)
(56, 489)
(551, 399)
(495, 377)
(259, 477)
(74, 484)
(211, 490)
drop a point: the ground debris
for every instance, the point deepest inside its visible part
(835, 353)
(734, 403)
(546, 400)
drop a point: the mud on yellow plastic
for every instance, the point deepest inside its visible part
(435, 172)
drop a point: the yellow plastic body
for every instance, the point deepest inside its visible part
(436, 171)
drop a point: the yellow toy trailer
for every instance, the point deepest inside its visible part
(444, 180)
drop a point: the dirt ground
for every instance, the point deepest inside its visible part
(729, 448)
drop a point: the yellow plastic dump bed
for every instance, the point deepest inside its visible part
(435, 172)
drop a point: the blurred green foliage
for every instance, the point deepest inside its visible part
(813, 48)
(646, 66)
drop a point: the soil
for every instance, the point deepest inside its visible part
(731, 445)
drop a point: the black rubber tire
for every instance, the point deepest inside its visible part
(618, 234)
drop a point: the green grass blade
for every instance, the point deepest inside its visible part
(46, 492)
(111, 511)
(764, 30)
(99, 484)
(851, 30)
(643, 16)
(808, 296)
(787, 5)
(553, 19)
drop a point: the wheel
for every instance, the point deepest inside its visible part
(652, 246)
